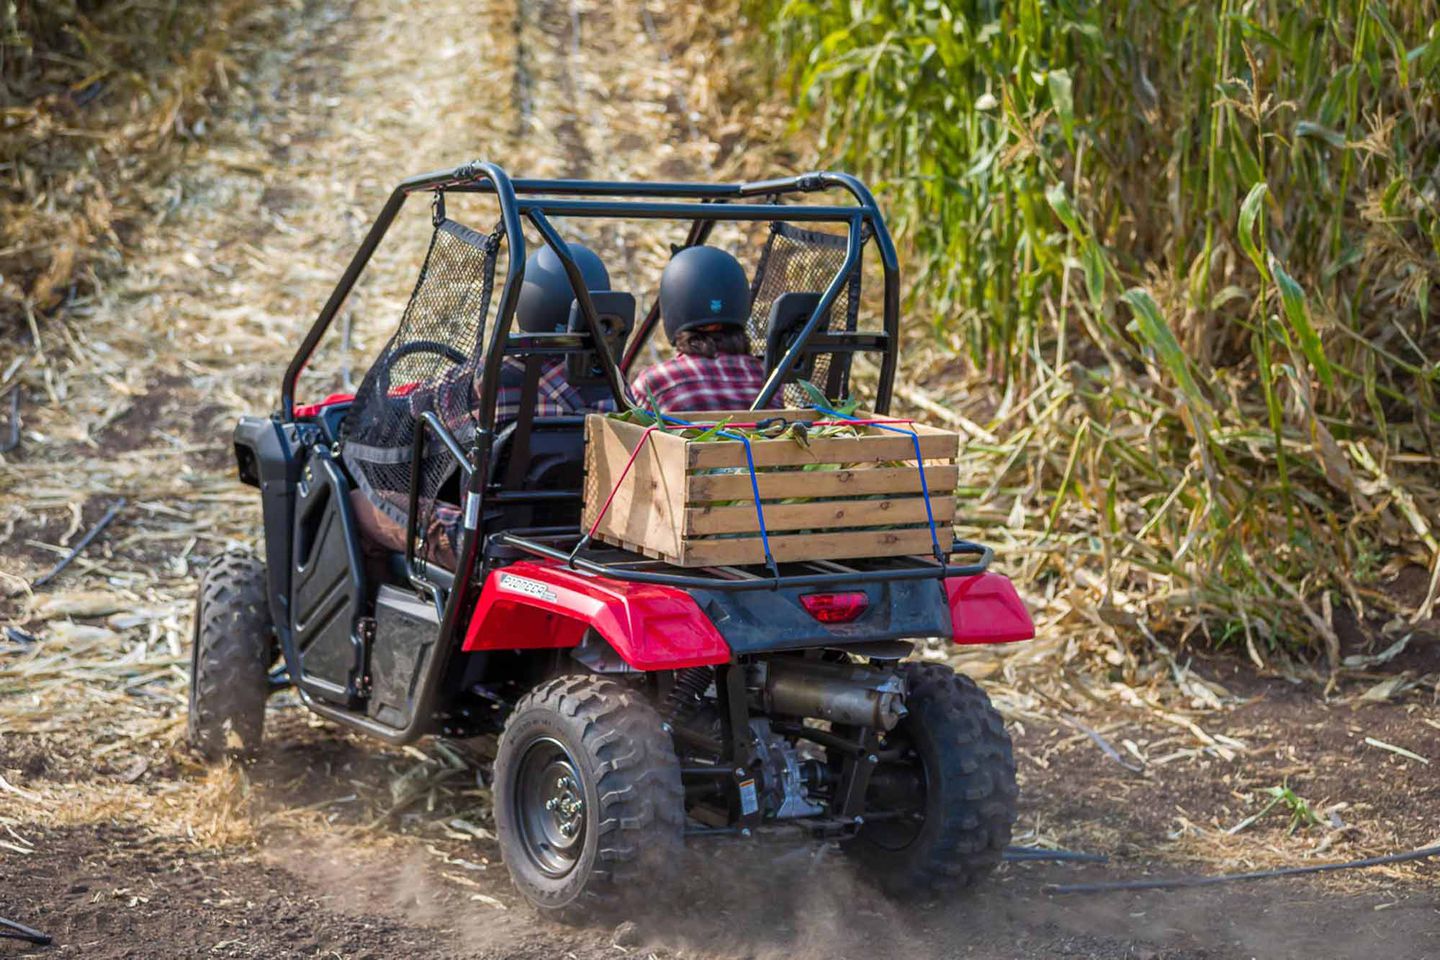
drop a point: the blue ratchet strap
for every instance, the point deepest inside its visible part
(919, 462)
(754, 483)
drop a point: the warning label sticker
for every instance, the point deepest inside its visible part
(749, 801)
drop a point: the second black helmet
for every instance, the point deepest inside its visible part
(545, 296)
(702, 286)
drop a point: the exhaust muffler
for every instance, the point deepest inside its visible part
(848, 693)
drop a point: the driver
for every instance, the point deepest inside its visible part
(704, 303)
(543, 307)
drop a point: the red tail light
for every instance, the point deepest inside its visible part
(835, 607)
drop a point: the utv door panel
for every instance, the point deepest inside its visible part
(406, 628)
(327, 585)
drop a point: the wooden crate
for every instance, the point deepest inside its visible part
(691, 504)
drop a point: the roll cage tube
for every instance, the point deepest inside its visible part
(483, 177)
(717, 204)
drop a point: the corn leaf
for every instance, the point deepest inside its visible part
(1062, 97)
(815, 395)
(1156, 334)
(1292, 297)
(1249, 213)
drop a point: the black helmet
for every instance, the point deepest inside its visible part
(546, 294)
(701, 286)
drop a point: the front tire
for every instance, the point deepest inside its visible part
(233, 650)
(589, 808)
(954, 782)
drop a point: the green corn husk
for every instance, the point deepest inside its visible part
(796, 431)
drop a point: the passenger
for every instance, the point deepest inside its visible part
(704, 303)
(543, 307)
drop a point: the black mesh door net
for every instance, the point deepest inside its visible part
(429, 364)
(795, 260)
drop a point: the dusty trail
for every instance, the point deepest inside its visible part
(117, 843)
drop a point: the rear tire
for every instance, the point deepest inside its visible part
(961, 759)
(233, 650)
(589, 808)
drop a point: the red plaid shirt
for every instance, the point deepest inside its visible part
(730, 381)
(555, 395)
(453, 396)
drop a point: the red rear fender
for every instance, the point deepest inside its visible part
(533, 605)
(987, 609)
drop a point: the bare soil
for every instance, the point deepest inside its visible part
(342, 886)
(116, 842)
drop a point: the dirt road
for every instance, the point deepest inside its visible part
(113, 840)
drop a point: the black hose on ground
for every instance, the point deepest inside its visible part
(1041, 854)
(85, 541)
(1178, 882)
(10, 930)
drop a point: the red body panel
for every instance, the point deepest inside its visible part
(306, 410)
(987, 609)
(540, 604)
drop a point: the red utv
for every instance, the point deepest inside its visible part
(637, 704)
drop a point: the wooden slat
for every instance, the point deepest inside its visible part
(822, 515)
(783, 453)
(864, 481)
(806, 546)
(743, 416)
(648, 505)
(754, 416)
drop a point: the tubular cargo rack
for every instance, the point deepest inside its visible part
(564, 544)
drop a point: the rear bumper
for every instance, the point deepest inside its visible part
(760, 621)
(709, 618)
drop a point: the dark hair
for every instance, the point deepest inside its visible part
(712, 343)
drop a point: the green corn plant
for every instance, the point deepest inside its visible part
(1200, 240)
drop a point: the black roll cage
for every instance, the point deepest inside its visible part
(704, 204)
(536, 200)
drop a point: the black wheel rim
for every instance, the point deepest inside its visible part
(550, 807)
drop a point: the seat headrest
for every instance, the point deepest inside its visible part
(616, 311)
(787, 318)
